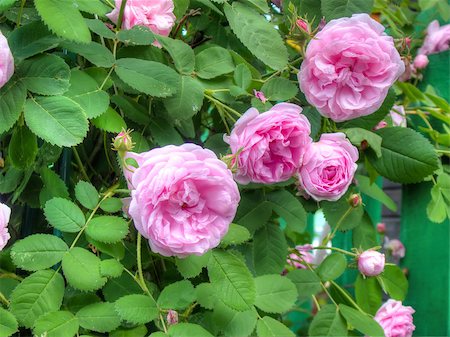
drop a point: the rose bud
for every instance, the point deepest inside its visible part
(303, 26)
(421, 61)
(371, 263)
(355, 200)
(260, 95)
(381, 227)
(123, 142)
(172, 317)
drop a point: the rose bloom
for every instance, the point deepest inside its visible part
(329, 166)
(157, 15)
(421, 61)
(398, 115)
(269, 147)
(371, 263)
(5, 213)
(348, 68)
(6, 61)
(183, 199)
(396, 247)
(396, 319)
(437, 39)
(304, 255)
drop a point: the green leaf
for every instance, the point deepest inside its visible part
(234, 323)
(242, 76)
(187, 330)
(269, 327)
(231, 280)
(261, 5)
(37, 294)
(151, 78)
(394, 282)
(57, 120)
(111, 205)
(236, 235)
(31, 39)
(53, 186)
(275, 293)
(279, 89)
(38, 251)
(64, 215)
(56, 324)
(341, 213)
(111, 268)
(375, 192)
(365, 236)
(99, 28)
(212, 62)
(94, 52)
(182, 54)
(64, 19)
(82, 270)
(177, 295)
(334, 9)
(437, 208)
(368, 294)
(110, 121)
(358, 135)
(332, 267)
(22, 148)
(163, 132)
(253, 215)
(6, 4)
(289, 208)
(120, 286)
(404, 164)
(361, 321)
(139, 331)
(86, 194)
(45, 75)
(84, 91)
(107, 228)
(8, 323)
(328, 322)
(116, 250)
(12, 99)
(187, 101)
(206, 296)
(138, 35)
(131, 109)
(257, 34)
(192, 265)
(136, 309)
(93, 7)
(99, 317)
(269, 250)
(306, 281)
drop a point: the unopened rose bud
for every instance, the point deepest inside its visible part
(380, 125)
(371, 263)
(303, 25)
(421, 61)
(123, 142)
(230, 160)
(396, 247)
(260, 95)
(408, 42)
(172, 317)
(381, 227)
(355, 200)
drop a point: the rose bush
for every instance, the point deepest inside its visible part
(158, 161)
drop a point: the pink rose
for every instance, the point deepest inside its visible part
(328, 167)
(303, 255)
(269, 146)
(398, 115)
(421, 61)
(260, 95)
(381, 227)
(371, 263)
(396, 319)
(349, 67)
(437, 39)
(157, 15)
(5, 213)
(172, 317)
(183, 199)
(396, 247)
(6, 61)
(380, 125)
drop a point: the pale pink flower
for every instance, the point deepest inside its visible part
(396, 247)
(5, 214)
(6, 61)
(398, 115)
(437, 39)
(421, 61)
(260, 95)
(303, 255)
(172, 317)
(269, 146)
(371, 263)
(329, 166)
(157, 15)
(349, 67)
(183, 199)
(396, 319)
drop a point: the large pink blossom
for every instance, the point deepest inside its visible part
(269, 146)
(157, 15)
(183, 199)
(395, 319)
(329, 166)
(5, 213)
(6, 61)
(437, 39)
(348, 68)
